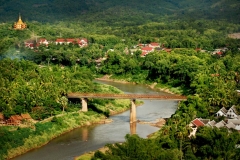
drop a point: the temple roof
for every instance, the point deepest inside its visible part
(20, 20)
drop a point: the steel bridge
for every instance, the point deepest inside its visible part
(85, 96)
(126, 96)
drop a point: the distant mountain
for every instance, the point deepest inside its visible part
(117, 10)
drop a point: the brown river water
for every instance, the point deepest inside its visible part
(90, 138)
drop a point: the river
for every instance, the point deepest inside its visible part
(93, 137)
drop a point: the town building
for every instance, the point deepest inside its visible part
(43, 41)
(14, 120)
(230, 113)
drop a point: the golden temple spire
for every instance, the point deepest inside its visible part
(19, 24)
(19, 17)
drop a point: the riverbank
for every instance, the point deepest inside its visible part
(67, 122)
(88, 155)
(46, 130)
(154, 85)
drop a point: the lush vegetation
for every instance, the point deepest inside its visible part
(38, 80)
(41, 91)
(209, 143)
(25, 85)
(16, 140)
(119, 12)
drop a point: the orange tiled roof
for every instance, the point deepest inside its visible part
(197, 122)
(60, 40)
(26, 116)
(147, 48)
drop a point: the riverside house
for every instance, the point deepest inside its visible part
(232, 120)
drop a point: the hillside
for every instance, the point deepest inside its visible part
(113, 10)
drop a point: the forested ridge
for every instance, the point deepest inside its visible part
(37, 80)
(113, 10)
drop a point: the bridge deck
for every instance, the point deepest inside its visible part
(125, 96)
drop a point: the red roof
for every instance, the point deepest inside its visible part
(60, 40)
(197, 122)
(154, 44)
(144, 53)
(16, 117)
(71, 40)
(26, 116)
(147, 49)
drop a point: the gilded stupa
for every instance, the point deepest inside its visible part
(19, 24)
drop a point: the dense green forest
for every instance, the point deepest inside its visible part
(38, 80)
(119, 12)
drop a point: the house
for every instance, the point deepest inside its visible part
(60, 41)
(211, 123)
(146, 50)
(144, 53)
(222, 112)
(71, 40)
(83, 42)
(29, 44)
(216, 51)
(2, 119)
(43, 41)
(231, 125)
(154, 45)
(220, 124)
(141, 45)
(14, 120)
(236, 122)
(232, 113)
(26, 116)
(197, 122)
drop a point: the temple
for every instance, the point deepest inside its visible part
(19, 25)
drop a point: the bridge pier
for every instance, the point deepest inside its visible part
(133, 127)
(133, 113)
(84, 104)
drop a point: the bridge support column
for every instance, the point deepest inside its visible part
(133, 113)
(133, 127)
(84, 104)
